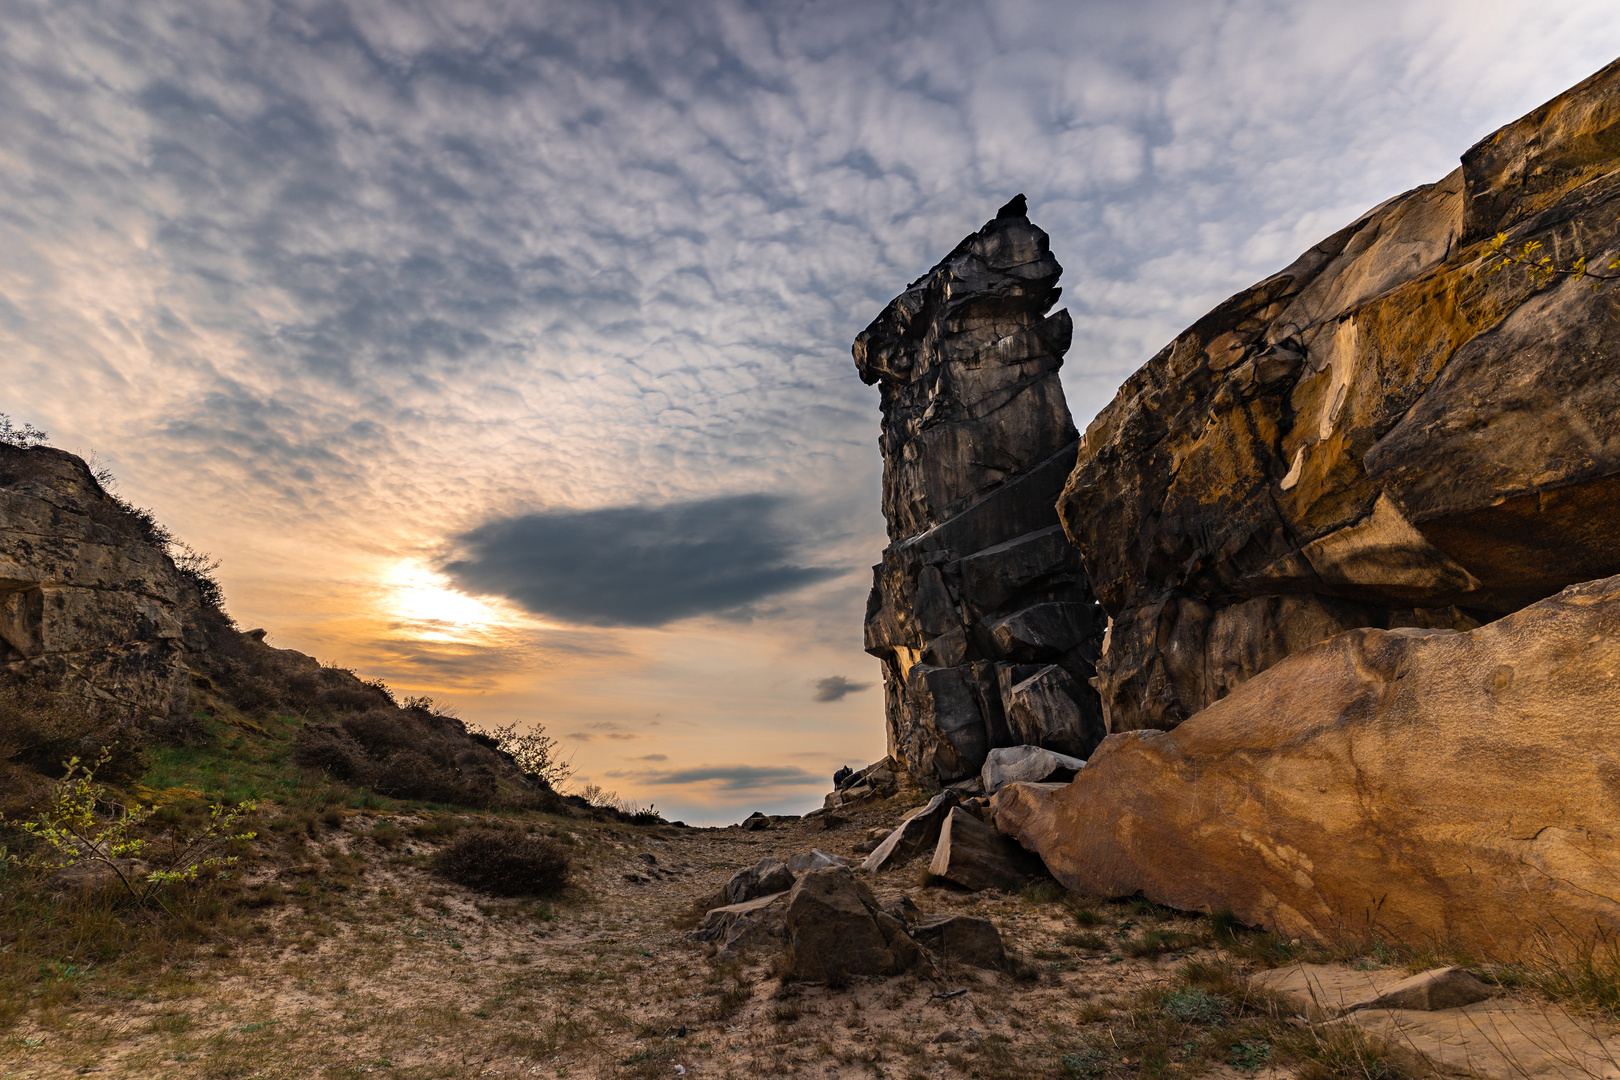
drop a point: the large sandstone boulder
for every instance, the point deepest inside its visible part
(1382, 434)
(978, 578)
(1430, 786)
(836, 928)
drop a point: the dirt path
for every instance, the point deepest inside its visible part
(402, 975)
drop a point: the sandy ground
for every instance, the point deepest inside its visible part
(400, 974)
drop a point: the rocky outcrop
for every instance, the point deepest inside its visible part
(979, 610)
(1429, 786)
(89, 598)
(1381, 435)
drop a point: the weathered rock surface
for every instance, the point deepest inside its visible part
(978, 578)
(1026, 764)
(758, 922)
(89, 599)
(1379, 435)
(767, 876)
(814, 859)
(917, 834)
(1462, 1026)
(1428, 786)
(836, 928)
(962, 939)
(1322, 991)
(976, 856)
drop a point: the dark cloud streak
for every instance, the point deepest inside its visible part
(835, 687)
(636, 565)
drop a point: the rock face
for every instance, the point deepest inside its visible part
(979, 610)
(1380, 435)
(89, 599)
(835, 929)
(1427, 786)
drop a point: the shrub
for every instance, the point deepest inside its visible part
(503, 863)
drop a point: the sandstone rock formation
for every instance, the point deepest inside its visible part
(1381, 434)
(979, 610)
(767, 876)
(89, 598)
(1424, 785)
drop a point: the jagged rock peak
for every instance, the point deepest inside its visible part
(1016, 207)
(979, 610)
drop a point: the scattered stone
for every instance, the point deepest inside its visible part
(765, 877)
(962, 939)
(877, 781)
(752, 923)
(755, 822)
(947, 1036)
(976, 856)
(913, 836)
(1026, 764)
(649, 858)
(903, 909)
(825, 820)
(815, 859)
(835, 929)
(1371, 768)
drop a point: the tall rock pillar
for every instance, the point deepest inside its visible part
(980, 611)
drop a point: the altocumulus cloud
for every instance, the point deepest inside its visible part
(636, 565)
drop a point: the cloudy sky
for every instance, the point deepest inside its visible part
(501, 350)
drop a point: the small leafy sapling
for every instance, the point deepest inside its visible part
(74, 830)
(1543, 268)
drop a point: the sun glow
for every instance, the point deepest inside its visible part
(417, 595)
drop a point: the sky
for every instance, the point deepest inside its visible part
(500, 350)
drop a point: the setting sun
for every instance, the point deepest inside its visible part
(418, 595)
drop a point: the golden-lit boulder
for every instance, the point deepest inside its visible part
(1460, 788)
